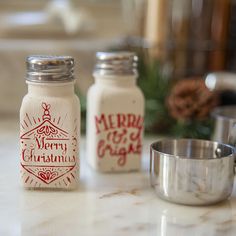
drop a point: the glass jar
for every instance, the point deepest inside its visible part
(50, 124)
(115, 110)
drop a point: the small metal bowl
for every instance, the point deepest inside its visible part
(191, 171)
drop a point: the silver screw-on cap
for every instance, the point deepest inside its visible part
(112, 63)
(50, 69)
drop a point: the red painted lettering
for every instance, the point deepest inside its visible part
(101, 122)
(121, 118)
(131, 120)
(123, 138)
(111, 123)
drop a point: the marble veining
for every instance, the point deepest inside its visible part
(104, 204)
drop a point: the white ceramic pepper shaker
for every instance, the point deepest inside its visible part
(50, 124)
(115, 113)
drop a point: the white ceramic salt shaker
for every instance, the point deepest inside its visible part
(49, 125)
(115, 113)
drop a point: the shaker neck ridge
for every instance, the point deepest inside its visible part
(117, 80)
(51, 89)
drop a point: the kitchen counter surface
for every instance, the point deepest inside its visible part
(104, 204)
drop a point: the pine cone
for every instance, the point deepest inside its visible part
(190, 99)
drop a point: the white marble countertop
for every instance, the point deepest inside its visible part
(104, 204)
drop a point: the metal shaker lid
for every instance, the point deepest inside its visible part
(50, 69)
(112, 63)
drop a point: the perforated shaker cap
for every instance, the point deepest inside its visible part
(50, 69)
(116, 63)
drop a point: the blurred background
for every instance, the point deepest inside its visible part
(178, 42)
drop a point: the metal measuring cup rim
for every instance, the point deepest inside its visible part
(152, 148)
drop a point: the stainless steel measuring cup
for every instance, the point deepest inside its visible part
(191, 171)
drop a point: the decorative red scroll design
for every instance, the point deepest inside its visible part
(44, 151)
(48, 175)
